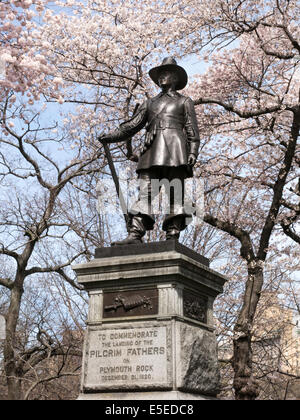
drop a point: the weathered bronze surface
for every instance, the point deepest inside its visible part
(169, 151)
(195, 306)
(130, 303)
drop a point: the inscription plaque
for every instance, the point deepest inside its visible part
(195, 306)
(127, 358)
(130, 303)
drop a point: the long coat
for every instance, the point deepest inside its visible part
(172, 131)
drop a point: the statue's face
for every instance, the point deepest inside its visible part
(167, 78)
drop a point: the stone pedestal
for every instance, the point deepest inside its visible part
(150, 332)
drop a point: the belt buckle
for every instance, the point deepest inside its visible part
(162, 124)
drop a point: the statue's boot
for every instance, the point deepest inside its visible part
(173, 227)
(136, 232)
(172, 234)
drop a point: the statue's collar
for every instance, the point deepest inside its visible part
(171, 93)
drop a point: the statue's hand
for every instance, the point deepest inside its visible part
(192, 159)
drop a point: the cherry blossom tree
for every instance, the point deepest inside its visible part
(24, 67)
(250, 111)
(91, 58)
(38, 170)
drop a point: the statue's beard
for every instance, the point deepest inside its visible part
(167, 84)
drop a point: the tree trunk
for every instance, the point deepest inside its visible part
(13, 375)
(244, 384)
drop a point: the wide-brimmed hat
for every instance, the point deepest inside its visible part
(169, 63)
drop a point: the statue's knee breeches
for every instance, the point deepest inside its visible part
(150, 183)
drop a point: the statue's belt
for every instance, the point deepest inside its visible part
(162, 124)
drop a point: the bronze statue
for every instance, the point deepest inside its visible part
(170, 150)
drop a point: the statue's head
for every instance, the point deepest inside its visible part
(168, 78)
(169, 72)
